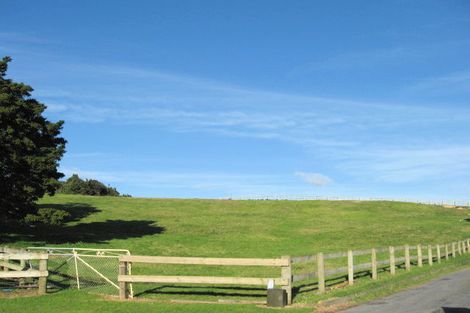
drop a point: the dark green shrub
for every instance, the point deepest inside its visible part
(47, 216)
(90, 187)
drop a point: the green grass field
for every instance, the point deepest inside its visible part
(225, 228)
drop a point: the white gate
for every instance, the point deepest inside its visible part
(84, 268)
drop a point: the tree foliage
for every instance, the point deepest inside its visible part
(30, 148)
(91, 187)
(47, 216)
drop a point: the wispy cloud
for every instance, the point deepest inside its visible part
(364, 139)
(189, 104)
(405, 165)
(401, 55)
(315, 179)
(450, 83)
(24, 38)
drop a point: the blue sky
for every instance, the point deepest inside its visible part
(243, 98)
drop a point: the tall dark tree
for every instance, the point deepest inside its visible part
(30, 148)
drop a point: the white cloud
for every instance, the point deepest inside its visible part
(314, 178)
(409, 164)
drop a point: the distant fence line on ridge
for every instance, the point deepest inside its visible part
(451, 202)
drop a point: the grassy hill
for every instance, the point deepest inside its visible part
(226, 228)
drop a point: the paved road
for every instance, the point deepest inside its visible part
(449, 294)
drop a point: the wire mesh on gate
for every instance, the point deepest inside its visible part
(94, 270)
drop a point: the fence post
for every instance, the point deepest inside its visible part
(438, 251)
(321, 272)
(286, 273)
(468, 245)
(420, 255)
(453, 249)
(407, 258)
(392, 260)
(42, 283)
(459, 248)
(374, 263)
(122, 285)
(350, 267)
(76, 268)
(23, 265)
(6, 260)
(447, 251)
(430, 254)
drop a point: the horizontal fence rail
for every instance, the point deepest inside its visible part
(284, 263)
(386, 259)
(416, 255)
(14, 265)
(201, 280)
(316, 267)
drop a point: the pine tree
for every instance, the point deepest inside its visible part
(30, 148)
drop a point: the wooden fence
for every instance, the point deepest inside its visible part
(413, 255)
(13, 263)
(284, 263)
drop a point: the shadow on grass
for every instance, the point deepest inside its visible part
(339, 280)
(94, 232)
(454, 310)
(212, 291)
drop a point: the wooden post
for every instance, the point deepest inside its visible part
(447, 251)
(407, 258)
(430, 254)
(420, 256)
(321, 272)
(392, 260)
(459, 249)
(468, 245)
(42, 283)
(22, 264)
(286, 273)
(438, 251)
(77, 276)
(6, 259)
(374, 263)
(123, 285)
(453, 249)
(350, 268)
